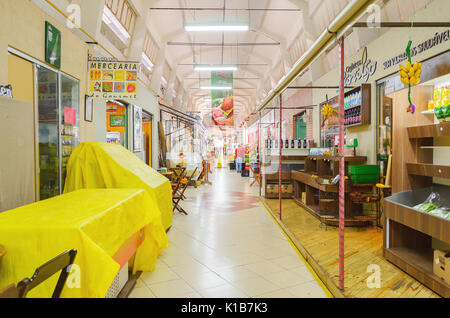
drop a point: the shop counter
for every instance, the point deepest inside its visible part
(106, 226)
(103, 165)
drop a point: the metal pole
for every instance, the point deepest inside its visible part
(280, 157)
(402, 25)
(259, 153)
(341, 165)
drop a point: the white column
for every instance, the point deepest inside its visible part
(155, 83)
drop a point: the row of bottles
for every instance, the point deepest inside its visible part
(352, 100)
(353, 116)
(288, 144)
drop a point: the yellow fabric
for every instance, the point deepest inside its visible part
(96, 222)
(102, 165)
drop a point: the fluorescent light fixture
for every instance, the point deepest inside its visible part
(216, 88)
(200, 68)
(214, 27)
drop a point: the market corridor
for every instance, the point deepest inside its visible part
(227, 246)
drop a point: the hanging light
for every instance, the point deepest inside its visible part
(215, 27)
(216, 88)
(200, 68)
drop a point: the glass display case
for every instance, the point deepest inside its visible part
(58, 97)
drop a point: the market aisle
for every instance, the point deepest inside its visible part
(227, 246)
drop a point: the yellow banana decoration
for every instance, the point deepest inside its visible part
(410, 74)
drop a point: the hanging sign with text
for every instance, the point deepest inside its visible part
(360, 70)
(113, 80)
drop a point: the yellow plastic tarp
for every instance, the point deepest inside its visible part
(96, 222)
(103, 165)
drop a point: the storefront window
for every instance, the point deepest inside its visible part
(70, 121)
(48, 109)
(116, 123)
(59, 111)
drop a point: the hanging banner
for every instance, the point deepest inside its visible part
(52, 45)
(113, 80)
(222, 100)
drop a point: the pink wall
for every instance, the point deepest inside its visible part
(302, 97)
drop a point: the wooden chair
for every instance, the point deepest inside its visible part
(257, 177)
(179, 195)
(60, 263)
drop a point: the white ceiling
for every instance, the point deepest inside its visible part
(279, 28)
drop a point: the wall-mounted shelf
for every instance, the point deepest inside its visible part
(428, 170)
(428, 131)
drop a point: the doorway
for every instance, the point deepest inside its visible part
(300, 126)
(147, 126)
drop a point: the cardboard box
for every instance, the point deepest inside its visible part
(272, 188)
(286, 188)
(441, 265)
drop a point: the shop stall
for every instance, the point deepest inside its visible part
(389, 174)
(103, 165)
(111, 230)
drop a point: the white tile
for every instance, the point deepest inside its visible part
(171, 289)
(224, 291)
(289, 262)
(141, 291)
(264, 267)
(287, 279)
(226, 254)
(205, 281)
(282, 293)
(236, 273)
(255, 286)
(307, 290)
(158, 276)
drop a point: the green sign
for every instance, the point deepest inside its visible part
(222, 100)
(117, 120)
(52, 45)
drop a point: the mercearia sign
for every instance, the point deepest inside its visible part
(6, 91)
(362, 69)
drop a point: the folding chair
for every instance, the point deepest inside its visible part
(179, 195)
(60, 263)
(257, 177)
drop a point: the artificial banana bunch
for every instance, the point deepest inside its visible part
(327, 110)
(410, 75)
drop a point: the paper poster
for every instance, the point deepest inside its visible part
(137, 128)
(113, 80)
(222, 100)
(70, 115)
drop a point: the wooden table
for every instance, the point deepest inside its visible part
(168, 174)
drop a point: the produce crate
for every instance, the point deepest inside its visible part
(364, 174)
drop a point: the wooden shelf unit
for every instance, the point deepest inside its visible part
(428, 170)
(408, 234)
(429, 131)
(315, 193)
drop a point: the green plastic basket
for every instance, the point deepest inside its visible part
(364, 174)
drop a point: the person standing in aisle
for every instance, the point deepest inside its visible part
(239, 158)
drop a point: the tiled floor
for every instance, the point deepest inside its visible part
(227, 247)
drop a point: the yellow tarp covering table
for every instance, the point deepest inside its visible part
(102, 165)
(96, 222)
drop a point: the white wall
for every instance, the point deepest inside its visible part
(149, 103)
(386, 46)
